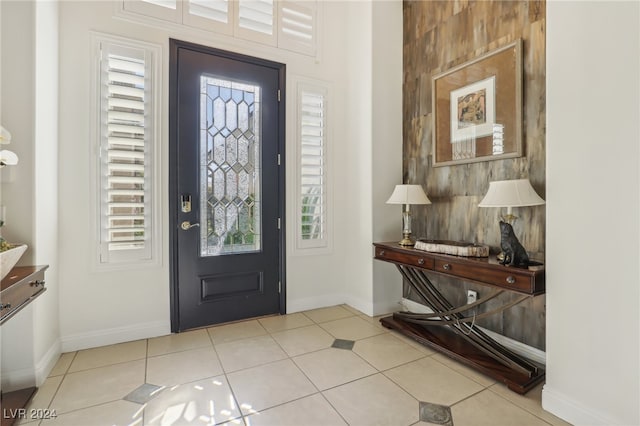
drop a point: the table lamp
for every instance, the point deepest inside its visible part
(510, 194)
(407, 195)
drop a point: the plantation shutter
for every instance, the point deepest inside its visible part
(255, 21)
(297, 26)
(125, 211)
(210, 15)
(312, 168)
(168, 10)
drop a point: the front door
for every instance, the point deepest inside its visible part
(226, 186)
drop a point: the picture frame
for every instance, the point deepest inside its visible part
(477, 109)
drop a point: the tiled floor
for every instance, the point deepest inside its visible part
(281, 370)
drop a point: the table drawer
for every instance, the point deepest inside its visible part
(509, 278)
(14, 297)
(424, 262)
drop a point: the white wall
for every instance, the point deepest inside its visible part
(30, 340)
(593, 136)
(387, 146)
(359, 134)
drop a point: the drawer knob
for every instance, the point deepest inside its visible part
(5, 306)
(421, 261)
(37, 283)
(446, 267)
(511, 279)
(381, 253)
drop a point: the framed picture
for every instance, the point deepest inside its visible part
(477, 109)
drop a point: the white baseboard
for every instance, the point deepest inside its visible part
(308, 303)
(94, 339)
(47, 362)
(520, 348)
(570, 410)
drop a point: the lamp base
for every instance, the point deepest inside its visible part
(406, 241)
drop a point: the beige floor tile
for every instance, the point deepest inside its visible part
(374, 400)
(352, 310)
(531, 401)
(374, 320)
(285, 322)
(38, 407)
(97, 386)
(45, 393)
(386, 351)
(303, 340)
(63, 364)
(109, 355)
(236, 331)
(179, 342)
(183, 367)
(332, 367)
(353, 328)
(121, 413)
(474, 375)
(328, 314)
(203, 402)
(413, 343)
(313, 410)
(248, 353)
(266, 386)
(488, 408)
(431, 381)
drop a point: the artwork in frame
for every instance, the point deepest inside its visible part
(477, 109)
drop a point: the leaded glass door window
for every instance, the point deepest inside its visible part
(230, 196)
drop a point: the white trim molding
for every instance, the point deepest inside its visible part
(572, 411)
(111, 336)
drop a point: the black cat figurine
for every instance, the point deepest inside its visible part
(514, 253)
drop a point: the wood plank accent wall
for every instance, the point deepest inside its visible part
(439, 35)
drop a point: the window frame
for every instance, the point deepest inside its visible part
(151, 255)
(323, 245)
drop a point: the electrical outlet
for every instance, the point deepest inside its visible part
(472, 296)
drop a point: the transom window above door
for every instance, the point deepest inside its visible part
(289, 25)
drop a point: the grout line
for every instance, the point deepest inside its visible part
(522, 407)
(226, 378)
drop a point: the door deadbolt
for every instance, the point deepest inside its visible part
(186, 225)
(185, 203)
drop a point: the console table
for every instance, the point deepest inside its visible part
(450, 329)
(19, 288)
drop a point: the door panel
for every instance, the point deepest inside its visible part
(227, 135)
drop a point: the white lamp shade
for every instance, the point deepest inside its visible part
(8, 158)
(408, 194)
(511, 193)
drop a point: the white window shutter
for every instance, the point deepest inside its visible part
(297, 26)
(210, 15)
(256, 21)
(312, 182)
(168, 10)
(126, 119)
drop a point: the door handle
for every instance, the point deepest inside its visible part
(186, 225)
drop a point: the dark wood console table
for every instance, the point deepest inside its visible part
(449, 329)
(20, 287)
